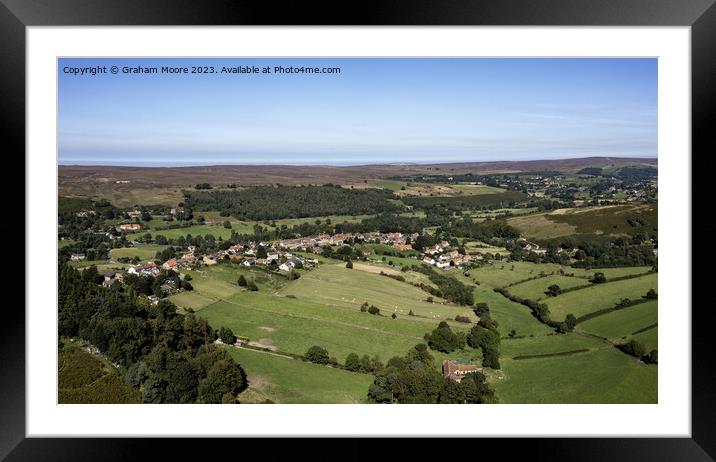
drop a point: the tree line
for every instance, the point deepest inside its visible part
(277, 202)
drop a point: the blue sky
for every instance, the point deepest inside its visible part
(375, 111)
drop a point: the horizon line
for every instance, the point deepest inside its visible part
(181, 164)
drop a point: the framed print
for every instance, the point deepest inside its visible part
(416, 222)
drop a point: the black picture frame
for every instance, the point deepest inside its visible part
(700, 15)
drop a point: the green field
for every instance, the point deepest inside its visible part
(87, 263)
(335, 285)
(500, 274)
(618, 326)
(599, 296)
(601, 375)
(142, 251)
(214, 225)
(293, 326)
(535, 289)
(316, 309)
(649, 338)
(475, 189)
(286, 380)
(196, 230)
(510, 315)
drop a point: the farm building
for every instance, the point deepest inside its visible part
(455, 371)
(170, 264)
(130, 227)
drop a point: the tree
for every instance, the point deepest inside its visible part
(651, 295)
(227, 224)
(181, 381)
(394, 316)
(374, 310)
(317, 355)
(444, 339)
(652, 357)
(242, 281)
(353, 362)
(633, 348)
(251, 285)
(225, 376)
(349, 264)
(227, 335)
(553, 290)
(571, 321)
(261, 252)
(598, 278)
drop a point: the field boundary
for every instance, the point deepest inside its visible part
(616, 307)
(550, 355)
(644, 329)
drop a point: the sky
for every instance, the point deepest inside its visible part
(375, 111)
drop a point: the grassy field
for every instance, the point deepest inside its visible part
(87, 263)
(535, 289)
(214, 225)
(618, 326)
(499, 274)
(86, 379)
(649, 338)
(335, 285)
(602, 374)
(196, 230)
(510, 315)
(598, 296)
(286, 380)
(143, 251)
(293, 326)
(316, 309)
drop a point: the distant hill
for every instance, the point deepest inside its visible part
(93, 178)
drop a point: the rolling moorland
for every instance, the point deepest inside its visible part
(280, 284)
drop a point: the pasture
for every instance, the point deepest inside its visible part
(536, 288)
(335, 285)
(293, 326)
(602, 374)
(510, 315)
(599, 296)
(144, 252)
(501, 274)
(618, 326)
(286, 380)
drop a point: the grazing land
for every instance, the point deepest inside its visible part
(287, 380)
(598, 296)
(622, 325)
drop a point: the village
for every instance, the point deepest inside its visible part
(287, 255)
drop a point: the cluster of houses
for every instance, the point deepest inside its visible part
(315, 244)
(248, 255)
(441, 256)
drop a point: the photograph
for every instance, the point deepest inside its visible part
(357, 230)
